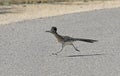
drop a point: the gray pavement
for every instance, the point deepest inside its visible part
(25, 47)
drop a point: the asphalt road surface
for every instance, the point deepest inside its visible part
(25, 47)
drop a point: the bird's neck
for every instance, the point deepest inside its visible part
(56, 34)
(59, 37)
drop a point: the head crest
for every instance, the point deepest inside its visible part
(53, 29)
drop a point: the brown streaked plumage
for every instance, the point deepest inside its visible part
(66, 40)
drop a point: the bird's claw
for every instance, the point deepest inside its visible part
(77, 50)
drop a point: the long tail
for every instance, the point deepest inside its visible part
(86, 40)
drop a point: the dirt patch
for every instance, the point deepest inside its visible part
(15, 13)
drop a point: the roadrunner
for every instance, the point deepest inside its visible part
(66, 40)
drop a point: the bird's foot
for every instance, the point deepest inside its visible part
(77, 50)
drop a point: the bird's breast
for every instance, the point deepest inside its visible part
(59, 38)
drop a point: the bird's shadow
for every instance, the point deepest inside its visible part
(84, 55)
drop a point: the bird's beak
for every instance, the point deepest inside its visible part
(48, 31)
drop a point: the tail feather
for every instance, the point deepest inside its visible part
(86, 40)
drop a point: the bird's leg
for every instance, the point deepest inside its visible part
(59, 51)
(75, 48)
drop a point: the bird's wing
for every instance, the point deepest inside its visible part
(67, 38)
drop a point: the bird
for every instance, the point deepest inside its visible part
(67, 40)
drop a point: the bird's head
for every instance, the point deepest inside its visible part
(53, 30)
